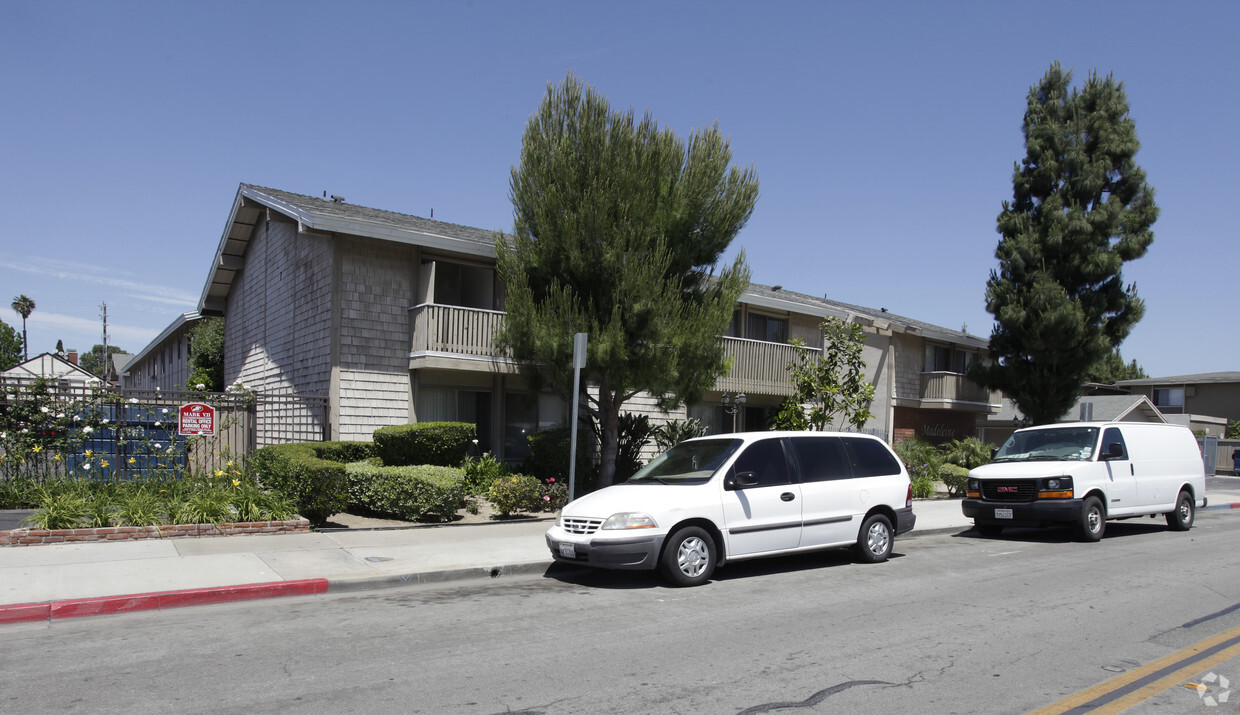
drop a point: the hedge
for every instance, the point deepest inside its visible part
(412, 493)
(307, 474)
(439, 443)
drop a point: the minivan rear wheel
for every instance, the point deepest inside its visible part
(874, 541)
(1182, 518)
(689, 557)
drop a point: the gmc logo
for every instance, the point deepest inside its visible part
(1007, 490)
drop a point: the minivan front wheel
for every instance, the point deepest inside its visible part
(689, 557)
(874, 541)
(1093, 520)
(1182, 518)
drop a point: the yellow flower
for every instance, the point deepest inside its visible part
(103, 463)
(236, 482)
(88, 453)
(219, 473)
(56, 458)
(132, 460)
(36, 449)
(229, 463)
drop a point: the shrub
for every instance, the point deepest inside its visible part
(921, 458)
(443, 444)
(956, 478)
(923, 487)
(515, 494)
(969, 453)
(548, 458)
(317, 487)
(635, 433)
(554, 495)
(670, 434)
(345, 451)
(481, 472)
(412, 493)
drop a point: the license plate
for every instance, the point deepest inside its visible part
(568, 551)
(1003, 513)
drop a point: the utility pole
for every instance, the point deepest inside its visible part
(104, 308)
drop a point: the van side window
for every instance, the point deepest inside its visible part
(1110, 436)
(764, 458)
(821, 458)
(870, 458)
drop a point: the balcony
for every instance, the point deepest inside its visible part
(449, 336)
(951, 390)
(758, 367)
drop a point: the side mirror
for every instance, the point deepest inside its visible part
(740, 480)
(1115, 450)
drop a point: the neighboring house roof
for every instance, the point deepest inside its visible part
(322, 216)
(51, 366)
(1106, 408)
(181, 319)
(119, 361)
(1198, 379)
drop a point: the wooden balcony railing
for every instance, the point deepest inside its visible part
(453, 329)
(954, 387)
(758, 367)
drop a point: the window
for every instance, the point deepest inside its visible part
(870, 458)
(821, 458)
(766, 327)
(526, 414)
(1169, 400)
(765, 458)
(445, 404)
(464, 285)
(945, 358)
(1111, 436)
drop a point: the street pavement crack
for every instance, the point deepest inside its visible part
(812, 700)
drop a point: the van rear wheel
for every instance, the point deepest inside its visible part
(1185, 510)
(1093, 520)
(874, 541)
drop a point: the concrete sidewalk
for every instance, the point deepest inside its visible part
(54, 581)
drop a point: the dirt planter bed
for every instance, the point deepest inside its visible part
(35, 537)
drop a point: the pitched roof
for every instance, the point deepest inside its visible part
(49, 365)
(1199, 378)
(1106, 408)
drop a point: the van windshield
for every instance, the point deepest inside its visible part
(1050, 444)
(687, 462)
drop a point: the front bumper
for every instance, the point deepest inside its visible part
(1035, 513)
(628, 552)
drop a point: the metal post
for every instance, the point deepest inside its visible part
(579, 361)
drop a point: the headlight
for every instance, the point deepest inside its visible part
(629, 520)
(973, 485)
(1056, 488)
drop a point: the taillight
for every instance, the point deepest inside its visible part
(908, 500)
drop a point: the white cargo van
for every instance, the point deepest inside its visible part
(741, 496)
(1087, 472)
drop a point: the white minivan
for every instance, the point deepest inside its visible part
(1085, 473)
(739, 496)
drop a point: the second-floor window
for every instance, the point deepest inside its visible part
(464, 285)
(766, 327)
(1169, 400)
(945, 358)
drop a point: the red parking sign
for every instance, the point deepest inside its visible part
(197, 418)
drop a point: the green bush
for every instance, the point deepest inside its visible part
(670, 434)
(518, 493)
(481, 472)
(921, 458)
(956, 478)
(923, 487)
(345, 451)
(969, 453)
(316, 486)
(442, 444)
(548, 457)
(412, 493)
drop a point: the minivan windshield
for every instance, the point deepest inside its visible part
(1050, 444)
(687, 463)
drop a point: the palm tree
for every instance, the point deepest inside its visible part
(24, 307)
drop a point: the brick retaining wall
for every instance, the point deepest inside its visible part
(33, 537)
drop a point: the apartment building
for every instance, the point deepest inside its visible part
(392, 318)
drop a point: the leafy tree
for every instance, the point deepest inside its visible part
(1112, 368)
(24, 307)
(829, 384)
(1081, 207)
(94, 362)
(206, 355)
(618, 226)
(10, 346)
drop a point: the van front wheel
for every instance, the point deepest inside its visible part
(689, 557)
(1093, 520)
(1182, 518)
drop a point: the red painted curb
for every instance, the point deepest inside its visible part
(104, 605)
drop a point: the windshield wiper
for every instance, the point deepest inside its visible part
(648, 479)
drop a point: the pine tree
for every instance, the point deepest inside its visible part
(618, 226)
(1081, 207)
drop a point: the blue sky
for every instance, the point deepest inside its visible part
(884, 135)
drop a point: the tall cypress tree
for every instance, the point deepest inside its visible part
(618, 226)
(1081, 207)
